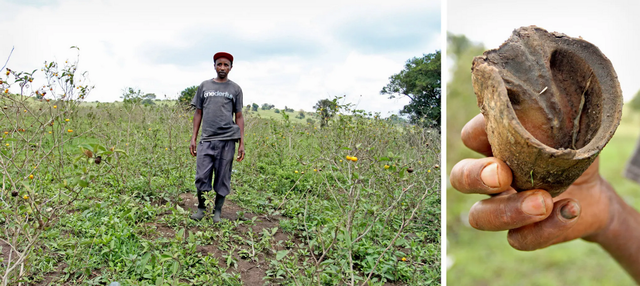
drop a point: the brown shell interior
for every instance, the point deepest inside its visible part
(566, 114)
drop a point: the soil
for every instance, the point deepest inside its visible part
(252, 270)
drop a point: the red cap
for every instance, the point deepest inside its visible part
(222, 55)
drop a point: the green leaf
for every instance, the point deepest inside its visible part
(83, 183)
(165, 257)
(85, 146)
(145, 259)
(281, 254)
(175, 267)
(383, 159)
(346, 148)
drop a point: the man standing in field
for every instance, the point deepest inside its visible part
(216, 101)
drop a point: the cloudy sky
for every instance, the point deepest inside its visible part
(613, 26)
(290, 53)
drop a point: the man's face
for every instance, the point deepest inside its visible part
(223, 67)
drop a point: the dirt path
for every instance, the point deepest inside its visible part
(252, 271)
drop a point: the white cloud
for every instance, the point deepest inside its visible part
(288, 52)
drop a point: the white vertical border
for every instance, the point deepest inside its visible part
(444, 78)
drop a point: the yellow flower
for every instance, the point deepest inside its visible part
(296, 171)
(49, 132)
(6, 90)
(404, 259)
(354, 159)
(69, 130)
(166, 149)
(55, 106)
(341, 161)
(26, 197)
(349, 158)
(428, 171)
(31, 177)
(7, 144)
(315, 170)
(67, 120)
(6, 133)
(386, 166)
(149, 129)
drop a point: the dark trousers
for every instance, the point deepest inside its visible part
(214, 157)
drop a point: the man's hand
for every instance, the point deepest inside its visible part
(193, 148)
(534, 219)
(240, 152)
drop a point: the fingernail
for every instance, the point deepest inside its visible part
(570, 210)
(489, 176)
(534, 205)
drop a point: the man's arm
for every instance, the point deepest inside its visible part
(621, 237)
(240, 123)
(197, 119)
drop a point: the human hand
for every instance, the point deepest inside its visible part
(533, 218)
(240, 152)
(193, 148)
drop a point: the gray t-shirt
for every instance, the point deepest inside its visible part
(218, 101)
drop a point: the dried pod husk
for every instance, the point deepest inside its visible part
(98, 159)
(551, 103)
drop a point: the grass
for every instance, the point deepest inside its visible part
(300, 213)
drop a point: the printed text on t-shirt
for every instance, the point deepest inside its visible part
(217, 93)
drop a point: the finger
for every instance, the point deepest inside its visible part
(474, 136)
(511, 211)
(549, 231)
(482, 176)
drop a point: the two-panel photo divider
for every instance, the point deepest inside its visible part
(408, 142)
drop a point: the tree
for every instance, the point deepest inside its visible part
(132, 96)
(420, 82)
(326, 109)
(187, 95)
(266, 106)
(254, 107)
(300, 114)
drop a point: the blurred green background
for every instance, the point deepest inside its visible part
(485, 258)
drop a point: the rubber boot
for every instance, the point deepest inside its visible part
(218, 208)
(202, 209)
(199, 215)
